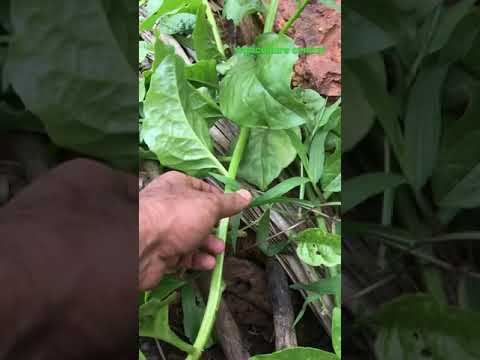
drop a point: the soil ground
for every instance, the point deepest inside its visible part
(319, 26)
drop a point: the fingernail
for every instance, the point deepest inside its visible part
(245, 194)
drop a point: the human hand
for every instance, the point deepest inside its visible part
(176, 217)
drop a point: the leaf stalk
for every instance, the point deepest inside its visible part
(216, 284)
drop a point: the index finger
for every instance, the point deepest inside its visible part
(233, 203)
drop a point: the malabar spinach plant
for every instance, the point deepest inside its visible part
(184, 90)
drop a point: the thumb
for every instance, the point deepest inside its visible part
(233, 203)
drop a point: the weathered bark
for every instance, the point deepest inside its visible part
(283, 315)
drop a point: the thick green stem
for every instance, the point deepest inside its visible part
(216, 32)
(271, 15)
(216, 284)
(295, 16)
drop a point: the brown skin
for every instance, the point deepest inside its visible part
(177, 215)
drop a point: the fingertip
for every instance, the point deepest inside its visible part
(245, 194)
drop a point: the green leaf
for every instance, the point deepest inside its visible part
(141, 356)
(332, 178)
(361, 36)
(263, 229)
(416, 325)
(384, 15)
(278, 190)
(317, 156)
(373, 84)
(158, 8)
(471, 58)
(256, 91)
(268, 152)
(358, 116)
(153, 322)
(337, 331)
(455, 181)
(165, 288)
(172, 129)
(327, 286)
(78, 104)
(462, 41)
(236, 10)
(122, 15)
(400, 236)
(182, 23)
(449, 18)
(203, 39)
(315, 105)
(193, 310)
(203, 72)
(203, 104)
(362, 187)
(296, 140)
(298, 353)
(317, 247)
(423, 121)
(308, 300)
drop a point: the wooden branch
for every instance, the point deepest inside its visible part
(283, 315)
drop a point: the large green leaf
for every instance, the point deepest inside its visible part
(268, 152)
(172, 129)
(317, 156)
(76, 98)
(373, 28)
(193, 309)
(122, 15)
(456, 178)
(373, 84)
(449, 18)
(471, 58)
(360, 188)
(299, 353)
(361, 36)
(154, 323)
(203, 72)
(417, 327)
(423, 121)
(317, 247)
(332, 173)
(358, 116)
(236, 10)
(203, 39)
(256, 90)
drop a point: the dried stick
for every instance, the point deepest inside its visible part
(283, 315)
